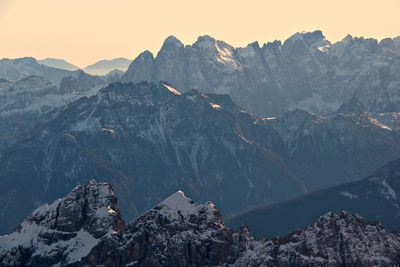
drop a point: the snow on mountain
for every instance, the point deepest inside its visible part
(343, 147)
(306, 71)
(66, 230)
(29, 102)
(374, 197)
(179, 232)
(150, 140)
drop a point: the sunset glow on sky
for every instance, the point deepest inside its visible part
(85, 31)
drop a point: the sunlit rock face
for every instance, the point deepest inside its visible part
(180, 232)
(306, 71)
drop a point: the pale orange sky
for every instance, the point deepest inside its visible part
(85, 31)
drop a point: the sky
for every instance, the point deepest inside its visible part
(85, 31)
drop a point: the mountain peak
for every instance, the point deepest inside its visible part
(66, 230)
(204, 41)
(178, 202)
(173, 41)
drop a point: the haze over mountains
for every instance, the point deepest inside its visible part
(58, 63)
(259, 126)
(103, 67)
(306, 71)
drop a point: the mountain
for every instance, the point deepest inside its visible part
(338, 148)
(64, 231)
(85, 228)
(306, 71)
(103, 67)
(375, 198)
(149, 140)
(58, 64)
(15, 69)
(28, 103)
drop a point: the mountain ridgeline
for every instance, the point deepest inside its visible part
(275, 135)
(306, 71)
(85, 228)
(150, 140)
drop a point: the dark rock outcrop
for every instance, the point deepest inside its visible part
(179, 232)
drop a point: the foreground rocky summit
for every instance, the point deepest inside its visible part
(85, 228)
(64, 231)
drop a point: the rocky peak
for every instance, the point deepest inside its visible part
(176, 232)
(179, 232)
(141, 69)
(66, 230)
(178, 205)
(92, 208)
(204, 42)
(172, 40)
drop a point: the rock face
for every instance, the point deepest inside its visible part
(306, 71)
(68, 85)
(28, 103)
(339, 148)
(179, 232)
(64, 231)
(176, 232)
(333, 240)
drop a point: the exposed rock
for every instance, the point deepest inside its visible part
(64, 231)
(306, 72)
(179, 232)
(68, 85)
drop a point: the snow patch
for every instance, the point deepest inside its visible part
(348, 195)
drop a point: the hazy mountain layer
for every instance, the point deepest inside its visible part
(58, 63)
(306, 71)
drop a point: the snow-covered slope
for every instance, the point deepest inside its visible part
(343, 239)
(85, 228)
(15, 69)
(29, 102)
(150, 140)
(66, 230)
(306, 71)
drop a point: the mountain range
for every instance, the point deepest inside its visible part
(103, 67)
(86, 228)
(275, 135)
(306, 71)
(150, 140)
(58, 63)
